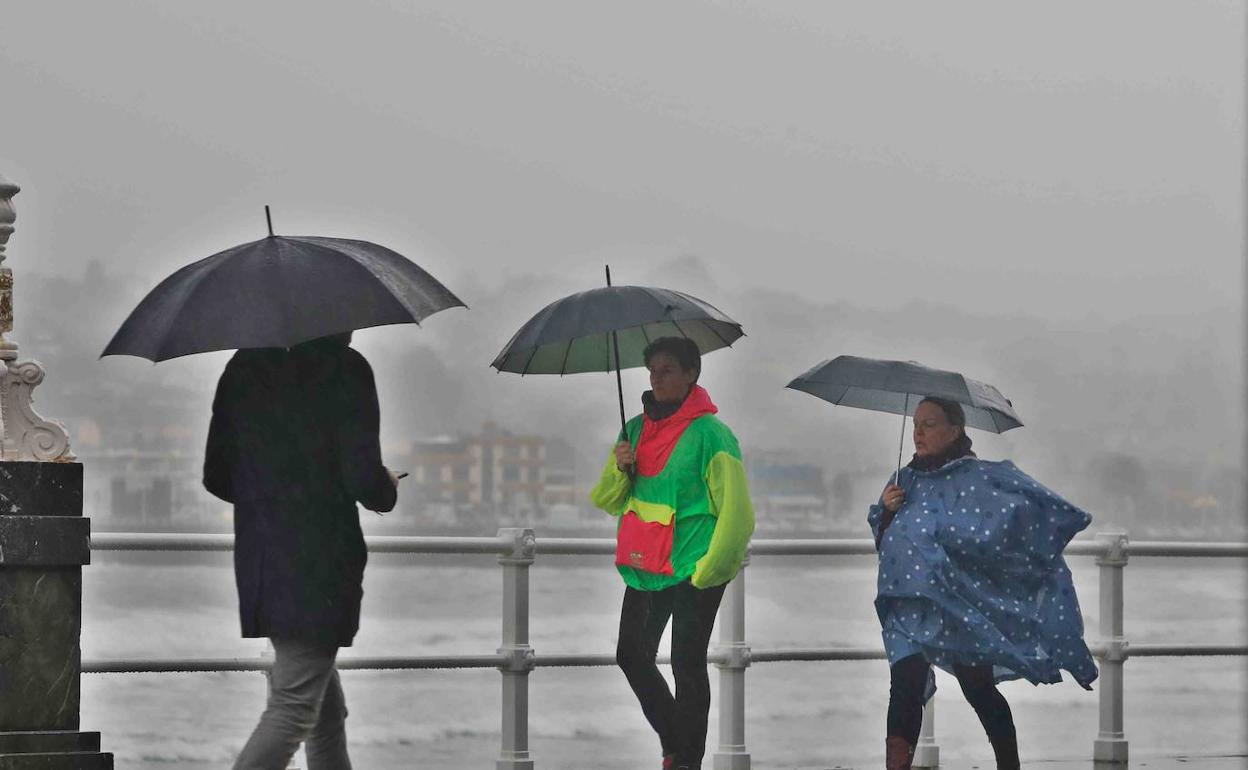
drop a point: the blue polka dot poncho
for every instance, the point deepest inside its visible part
(971, 572)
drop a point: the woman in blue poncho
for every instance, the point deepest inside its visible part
(972, 580)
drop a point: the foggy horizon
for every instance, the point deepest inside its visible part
(1093, 395)
(1054, 208)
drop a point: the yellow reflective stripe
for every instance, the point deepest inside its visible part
(652, 512)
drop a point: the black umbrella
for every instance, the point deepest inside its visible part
(899, 386)
(608, 328)
(277, 292)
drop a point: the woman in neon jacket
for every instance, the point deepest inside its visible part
(972, 580)
(678, 486)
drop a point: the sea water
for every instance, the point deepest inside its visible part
(798, 715)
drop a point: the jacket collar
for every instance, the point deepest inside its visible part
(697, 403)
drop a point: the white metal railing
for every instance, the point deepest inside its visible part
(517, 548)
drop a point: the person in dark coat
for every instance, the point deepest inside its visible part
(293, 444)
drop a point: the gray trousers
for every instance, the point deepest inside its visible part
(306, 706)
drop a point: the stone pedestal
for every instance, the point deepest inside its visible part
(44, 541)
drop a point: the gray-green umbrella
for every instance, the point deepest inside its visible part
(899, 386)
(607, 329)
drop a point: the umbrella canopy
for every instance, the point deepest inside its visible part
(277, 292)
(899, 386)
(608, 328)
(574, 334)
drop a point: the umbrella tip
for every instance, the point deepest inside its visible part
(268, 218)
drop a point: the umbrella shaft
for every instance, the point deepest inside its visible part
(901, 442)
(619, 380)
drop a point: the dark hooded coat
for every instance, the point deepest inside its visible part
(294, 446)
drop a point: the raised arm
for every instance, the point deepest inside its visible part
(613, 488)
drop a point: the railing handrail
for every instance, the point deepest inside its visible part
(171, 541)
(571, 660)
(590, 546)
(170, 665)
(551, 660)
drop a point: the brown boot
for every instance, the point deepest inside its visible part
(898, 753)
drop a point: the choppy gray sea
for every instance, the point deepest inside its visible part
(799, 715)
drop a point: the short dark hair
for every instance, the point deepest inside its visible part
(952, 409)
(683, 349)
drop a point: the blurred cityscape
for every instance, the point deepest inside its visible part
(474, 482)
(492, 477)
(139, 431)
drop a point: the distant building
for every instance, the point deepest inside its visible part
(140, 490)
(439, 482)
(492, 476)
(788, 494)
(561, 486)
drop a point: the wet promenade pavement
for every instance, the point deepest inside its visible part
(1189, 762)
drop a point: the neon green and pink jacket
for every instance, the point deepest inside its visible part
(687, 515)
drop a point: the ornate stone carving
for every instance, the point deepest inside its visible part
(27, 435)
(24, 434)
(7, 214)
(6, 301)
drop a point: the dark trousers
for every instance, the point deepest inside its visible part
(679, 720)
(905, 699)
(305, 706)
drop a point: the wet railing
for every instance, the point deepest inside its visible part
(517, 549)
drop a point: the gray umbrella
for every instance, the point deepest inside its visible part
(608, 328)
(574, 334)
(278, 292)
(899, 386)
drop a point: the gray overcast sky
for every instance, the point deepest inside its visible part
(1046, 196)
(1057, 159)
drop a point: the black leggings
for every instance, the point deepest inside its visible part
(905, 699)
(681, 720)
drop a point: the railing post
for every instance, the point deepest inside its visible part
(518, 658)
(926, 752)
(732, 754)
(1111, 742)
